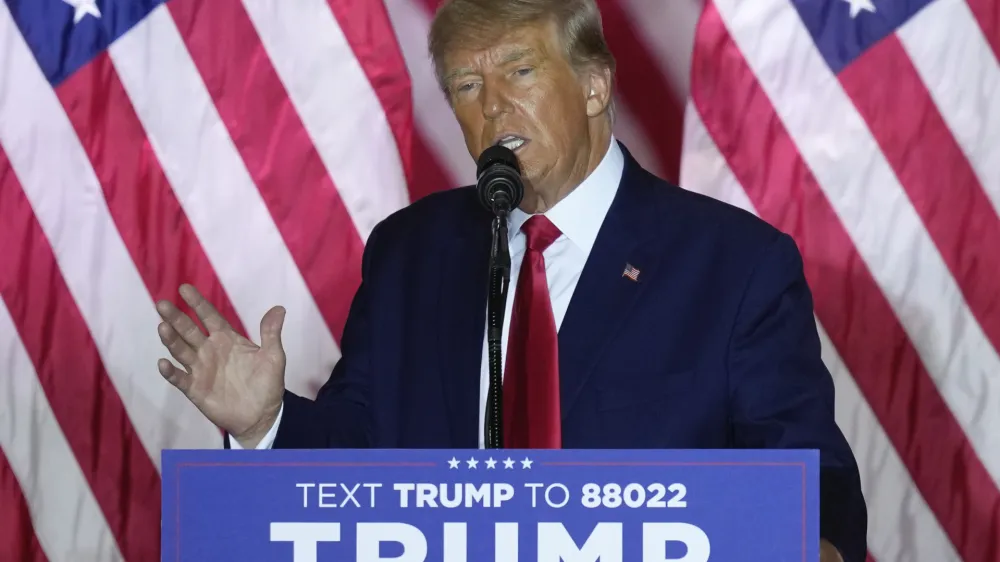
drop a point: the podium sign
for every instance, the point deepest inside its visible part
(492, 505)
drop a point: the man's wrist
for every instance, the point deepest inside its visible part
(251, 438)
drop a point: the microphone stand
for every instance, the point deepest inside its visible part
(499, 281)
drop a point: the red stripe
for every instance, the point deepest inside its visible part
(369, 32)
(428, 175)
(987, 14)
(849, 303)
(645, 89)
(934, 172)
(17, 533)
(83, 398)
(277, 150)
(142, 204)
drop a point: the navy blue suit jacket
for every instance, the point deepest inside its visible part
(715, 346)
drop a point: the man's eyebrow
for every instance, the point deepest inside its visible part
(457, 73)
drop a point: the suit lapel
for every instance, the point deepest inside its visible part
(604, 295)
(462, 306)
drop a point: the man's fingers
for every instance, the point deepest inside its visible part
(210, 317)
(174, 376)
(176, 345)
(181, 323)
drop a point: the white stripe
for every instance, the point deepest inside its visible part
(667, 29)
(219, 197)
(704, 169)
(67, 199)
(901, 527)
(339, 108)
(860, 185)
(628, 130)
(961, 73)
(432, 113)
(68, 522)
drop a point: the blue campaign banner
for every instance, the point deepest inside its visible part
(491, 505)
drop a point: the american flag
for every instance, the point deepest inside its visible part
(631, 272)
(249, 147)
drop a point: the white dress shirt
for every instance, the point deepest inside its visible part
(579, 217)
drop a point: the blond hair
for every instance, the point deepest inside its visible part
(478, 23)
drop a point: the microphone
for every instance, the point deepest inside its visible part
(499, 182)
(500, 190)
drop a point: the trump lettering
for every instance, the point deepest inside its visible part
(453, 495)
(554, 544)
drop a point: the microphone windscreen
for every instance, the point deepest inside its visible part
(497, 154)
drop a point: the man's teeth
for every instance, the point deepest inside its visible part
(512, 143)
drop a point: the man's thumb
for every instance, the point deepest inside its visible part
(270, 329)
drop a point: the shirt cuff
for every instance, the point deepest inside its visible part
(268, 439)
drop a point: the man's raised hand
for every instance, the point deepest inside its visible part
(236, 384)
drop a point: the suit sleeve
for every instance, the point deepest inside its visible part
(341, 415)
(783, 395)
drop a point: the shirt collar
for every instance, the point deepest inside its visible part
(580, 214)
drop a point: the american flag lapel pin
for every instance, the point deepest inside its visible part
(631, 272)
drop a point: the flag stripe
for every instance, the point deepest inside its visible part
(17, 534)
(966, 92)
(890, 493)
(878, 216)
(149, 220)
(428, 176)
(647, 94)
(368, 31)
(97, 428)
(849, 303)
(411, 20)
(57, 178)
(633, 135)
(68, 522)
(219, 197)
(987, 14)
(667, 28)
(329, 89)
(275, 147)
(925, 157)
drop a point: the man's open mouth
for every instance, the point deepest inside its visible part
(512, 142)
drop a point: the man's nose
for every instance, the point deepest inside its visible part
(496, 101)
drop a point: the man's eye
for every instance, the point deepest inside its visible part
(523, 71)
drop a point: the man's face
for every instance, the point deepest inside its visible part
(523, 93)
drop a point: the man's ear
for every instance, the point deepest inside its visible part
(598, 90)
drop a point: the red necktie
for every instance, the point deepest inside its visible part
(531, 378)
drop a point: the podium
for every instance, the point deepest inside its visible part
(491, 505)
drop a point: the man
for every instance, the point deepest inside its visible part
(653, 317)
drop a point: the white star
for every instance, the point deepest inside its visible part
(491, 463)
(858, 5)
(472, 463)
(83, 8)
(453, 463)
(508, 463)
(526, 463)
